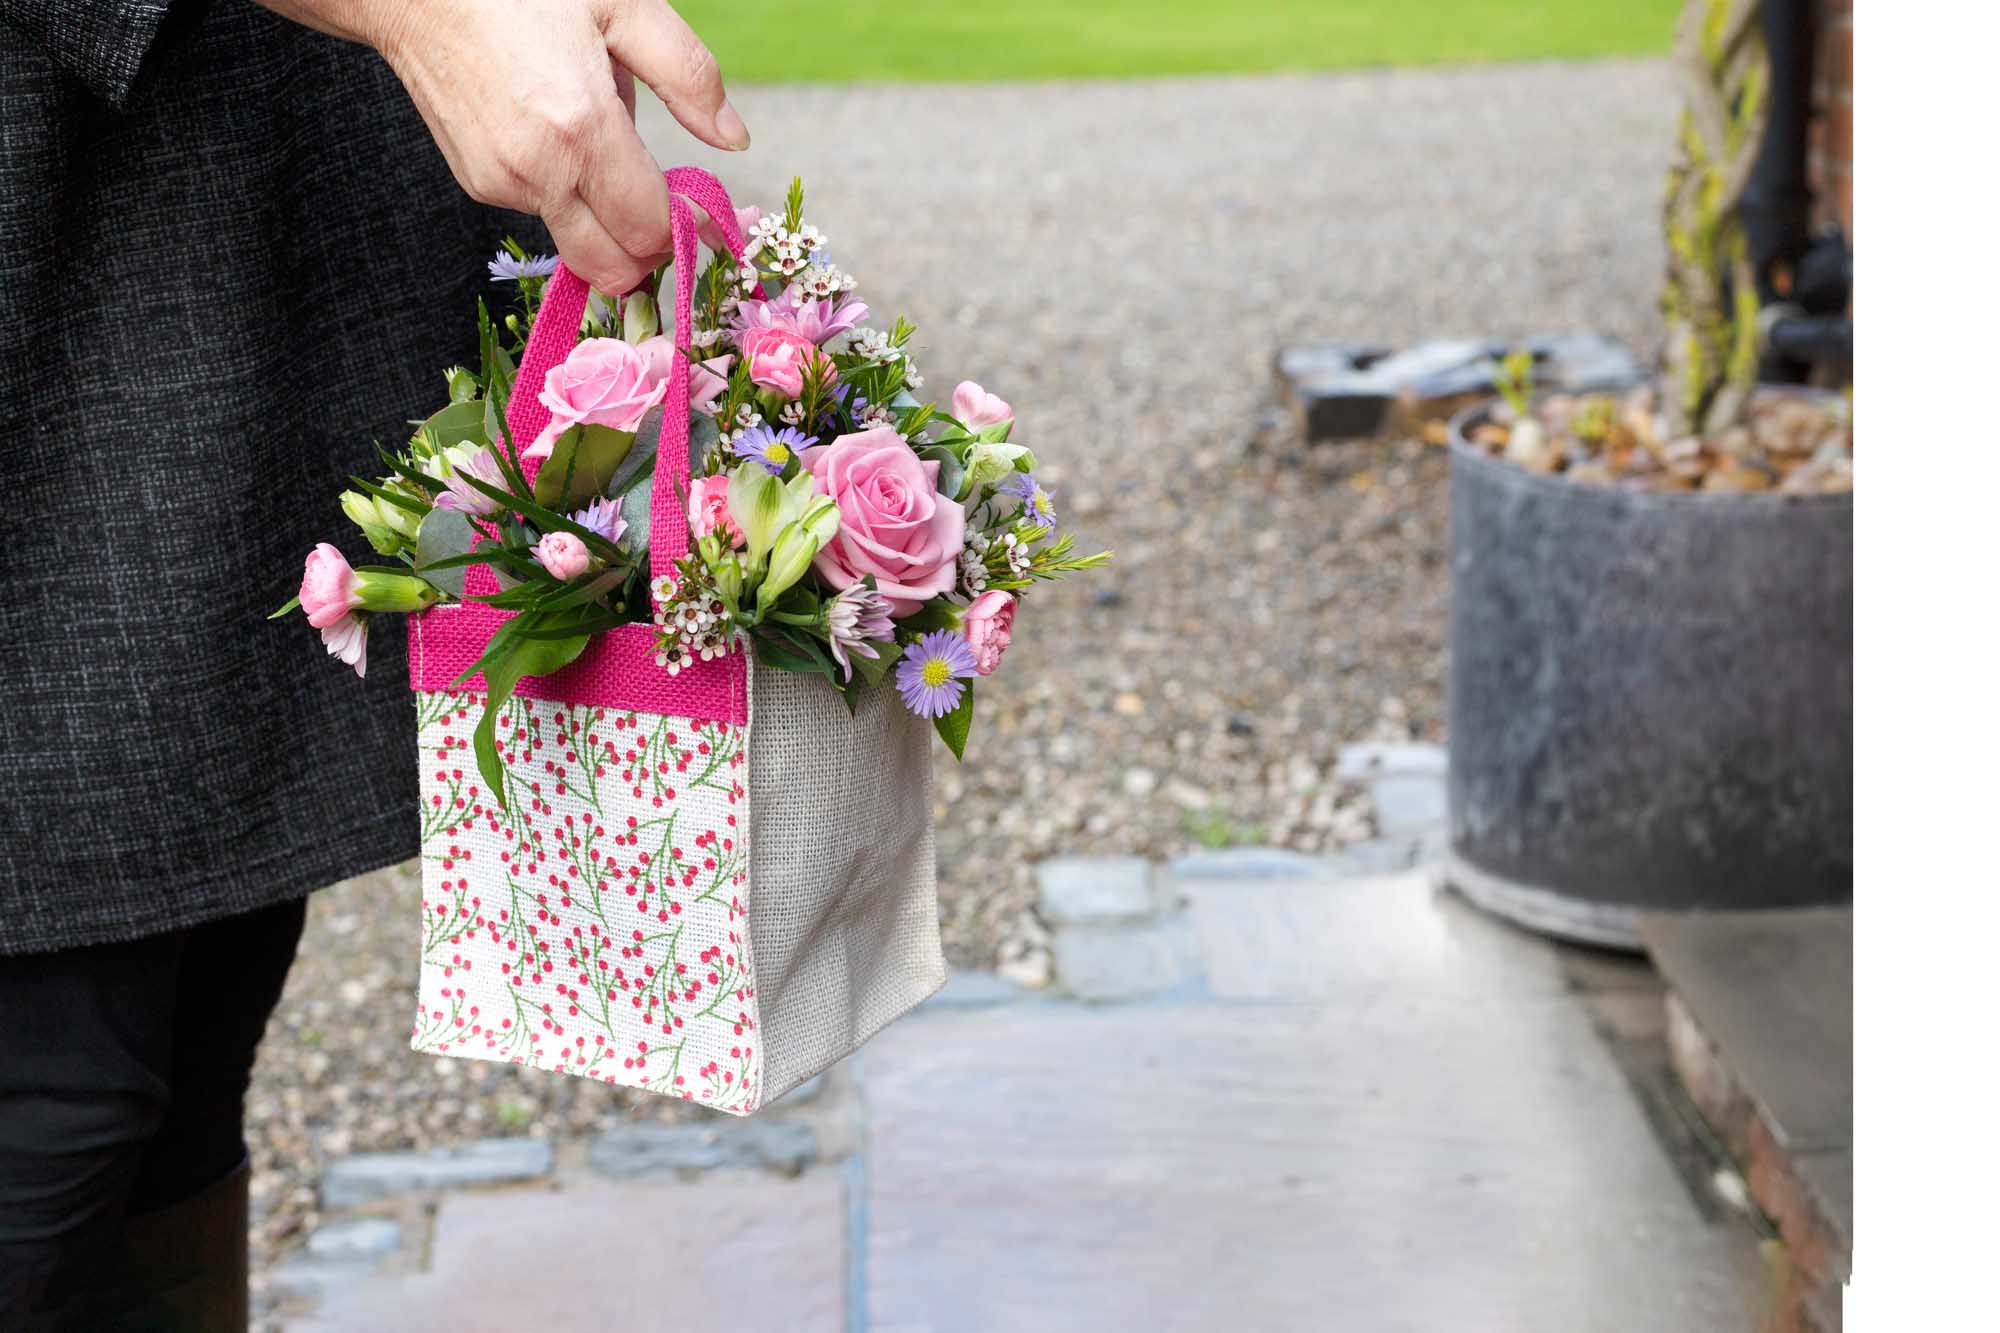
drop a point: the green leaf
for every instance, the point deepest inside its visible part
(456, 424)
(524, 657)
(702, 435)
(387, 496)
(937, 615)
(548, 520)
(956, 725)
(443, 534)
(582, 466)
(284, 610)
(875, 669)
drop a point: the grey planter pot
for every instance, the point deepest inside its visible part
(1651, 699)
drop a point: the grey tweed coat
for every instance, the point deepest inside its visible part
(230, 256)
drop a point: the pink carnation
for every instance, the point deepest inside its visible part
(327, 592)
(988, 627)
(777, 359)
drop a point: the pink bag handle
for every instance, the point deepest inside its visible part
(557, 320)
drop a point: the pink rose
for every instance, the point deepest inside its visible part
(711, 233)
(327, 592)
(708, 509)
(974, 407)
(777, 358)
(707, 380)
(604, 382)
(563, 554)
(988, 627)
(893, 522)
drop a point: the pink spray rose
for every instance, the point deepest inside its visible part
(604, 382)
(708, 509)
(707, 380)
(777, 358)
(327, 592)
(974, 407)
(563, 554)
(988, 627)
(893, 522)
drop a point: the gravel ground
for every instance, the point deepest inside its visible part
(1120, 261)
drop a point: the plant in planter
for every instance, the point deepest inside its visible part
(1706, 428)
(1651, 624)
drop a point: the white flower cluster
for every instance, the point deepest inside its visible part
(693, 627)
(873, 345)
(1019, 557)
(706, 338)
(819, 282)
(875, 414)
(972, 563)
(789, 251)
(747, 418)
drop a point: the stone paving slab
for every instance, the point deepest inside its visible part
(1422, 1132)
(1321, 940)
(734, 1250)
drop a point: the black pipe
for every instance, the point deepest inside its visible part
(1776, 202)
(1806, 339)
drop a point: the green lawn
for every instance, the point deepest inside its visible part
(790, 41)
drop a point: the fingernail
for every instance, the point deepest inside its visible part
(729, 127)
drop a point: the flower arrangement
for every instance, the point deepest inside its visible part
(839, 526)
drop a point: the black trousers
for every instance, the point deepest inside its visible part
(122, 1074)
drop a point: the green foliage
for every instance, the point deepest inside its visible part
(791, 41)
(1514, 379)
(956, 725)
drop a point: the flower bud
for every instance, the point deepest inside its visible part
(392, 592)
(642, 318)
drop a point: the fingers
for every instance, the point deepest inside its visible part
(589, 249)
(657, 45)
(625, 192)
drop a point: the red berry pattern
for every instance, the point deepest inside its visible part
(597, 925)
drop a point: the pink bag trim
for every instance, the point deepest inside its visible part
(616, 671)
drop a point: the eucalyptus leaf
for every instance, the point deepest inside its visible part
(636, 506)
(443, 533)
(456, 424)
(702, 435)
(582, 466)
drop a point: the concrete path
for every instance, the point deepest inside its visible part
(1307, 1099)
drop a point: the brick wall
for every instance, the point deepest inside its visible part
(1830, 160)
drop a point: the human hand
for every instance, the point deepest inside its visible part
(530, 103)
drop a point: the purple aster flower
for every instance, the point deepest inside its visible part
(1037, 505)
(856, 620)
(932, 675)
(506, 268)
(772, 448)
(603, 517)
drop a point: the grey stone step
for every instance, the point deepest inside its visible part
(1761, 1028)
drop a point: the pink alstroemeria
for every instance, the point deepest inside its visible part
(815, 321)
(467, 498)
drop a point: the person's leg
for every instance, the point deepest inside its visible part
(185, 1251)
(86, 1039)
(231, 977)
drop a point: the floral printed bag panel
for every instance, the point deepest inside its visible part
(682, 893)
